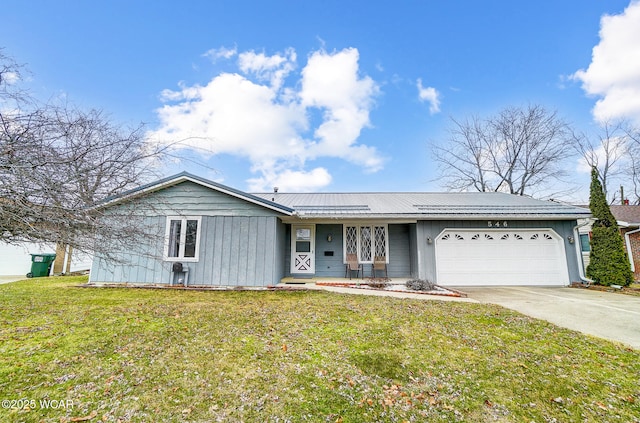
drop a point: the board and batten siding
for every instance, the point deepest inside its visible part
(240, 242)
(328, 265)
(432, 228)
(399, 251)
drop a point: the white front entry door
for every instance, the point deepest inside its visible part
(303, 243)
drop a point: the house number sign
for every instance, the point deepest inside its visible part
(497, 224)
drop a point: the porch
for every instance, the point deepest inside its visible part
(319, 250)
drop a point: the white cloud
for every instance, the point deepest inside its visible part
(291, 180)
(268, 68)
(233, 115)
(254, 116)
(330, 82)
(430, 95)
(614, 72)
(220, 53)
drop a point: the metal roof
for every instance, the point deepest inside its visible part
(387, 205)
(465, 205)
(184, 177)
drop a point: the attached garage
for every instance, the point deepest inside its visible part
(467, 257)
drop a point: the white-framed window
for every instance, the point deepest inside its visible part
(367, 241)
(182, 238)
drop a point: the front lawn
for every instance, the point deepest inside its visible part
(80, 354)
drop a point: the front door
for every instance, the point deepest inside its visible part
(303, 260)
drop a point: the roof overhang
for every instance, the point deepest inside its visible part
(187, 177)
(416, 217)
(628, 225)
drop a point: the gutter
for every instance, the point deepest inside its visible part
(629, 252)
(576, 237)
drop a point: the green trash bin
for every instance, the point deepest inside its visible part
(41, 265)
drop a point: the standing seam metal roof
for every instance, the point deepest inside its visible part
(384, 204)
(437, 205)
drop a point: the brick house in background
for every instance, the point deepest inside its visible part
(628, 218)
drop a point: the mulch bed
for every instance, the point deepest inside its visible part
(624, 290)
(377, 286)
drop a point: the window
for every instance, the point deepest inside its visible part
(303, 240)
(367, 241)
(585, 246)
(182, 238)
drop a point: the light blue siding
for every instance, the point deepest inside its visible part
(329, 265)
(413, 247)
(240, 242)
(192, 199)
(399, 251)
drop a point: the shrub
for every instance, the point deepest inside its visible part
(420, 285)
(608, 259)
(378, 284)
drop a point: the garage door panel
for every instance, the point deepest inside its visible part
(504, 257)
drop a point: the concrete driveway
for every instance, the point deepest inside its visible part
(603, 314)
(7, 279)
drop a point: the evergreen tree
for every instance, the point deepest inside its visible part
(608, 263)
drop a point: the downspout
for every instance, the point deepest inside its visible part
(629, 251)
(577, 243)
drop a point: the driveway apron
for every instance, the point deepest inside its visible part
(607, 315)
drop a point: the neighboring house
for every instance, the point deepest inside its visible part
(15, 259)
(628, 218)
(225, 237)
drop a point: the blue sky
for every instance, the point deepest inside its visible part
(326, 95)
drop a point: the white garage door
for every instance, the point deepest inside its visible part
(501, 257)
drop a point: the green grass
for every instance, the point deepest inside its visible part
(162, 355)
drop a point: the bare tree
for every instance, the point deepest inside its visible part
(633, 169)
(607, 152)
(58, 162)
(10, 73)
(519, 151)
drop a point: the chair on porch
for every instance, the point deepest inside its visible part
(352, 265)
(379, 263)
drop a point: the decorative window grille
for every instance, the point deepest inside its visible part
(365, 244)
(367, 241)
(351, 240)
(380, 241)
